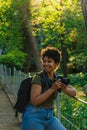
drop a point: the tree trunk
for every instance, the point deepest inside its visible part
(63, 48)
(31, 49)
(84, 9)
(30, 45)
(64, 59)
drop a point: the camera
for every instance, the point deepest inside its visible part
(63, 80)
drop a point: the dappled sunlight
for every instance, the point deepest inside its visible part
(81, 95)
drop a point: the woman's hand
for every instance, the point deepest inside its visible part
(57, 85)
(68, 89)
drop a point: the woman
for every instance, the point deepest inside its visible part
(38, 114)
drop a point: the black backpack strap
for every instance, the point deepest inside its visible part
(16, 113)
(45, 80)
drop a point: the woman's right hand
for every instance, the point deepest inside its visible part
(57, 85)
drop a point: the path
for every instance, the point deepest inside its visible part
(7, 119)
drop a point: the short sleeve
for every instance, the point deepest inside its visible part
(36, 80)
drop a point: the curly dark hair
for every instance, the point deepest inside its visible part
(51, 52)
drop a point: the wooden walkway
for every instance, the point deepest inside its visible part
(7, 118)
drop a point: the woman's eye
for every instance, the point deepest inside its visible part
(44, 61)
(49, 61)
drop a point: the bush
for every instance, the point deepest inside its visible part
(79, 79)
(13, 59)
(74, 111)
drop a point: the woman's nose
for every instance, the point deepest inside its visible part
(46, 63)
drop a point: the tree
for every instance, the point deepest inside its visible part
(30, 45)
(24, 26)
(62, 26)
(16, 31)
(84, 9)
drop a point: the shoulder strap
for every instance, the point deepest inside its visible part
(45, 80)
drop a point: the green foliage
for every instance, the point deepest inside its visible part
(62, 24)
(53, 19)
(11, 37)
(79, 79)
(53, 24)
(15, 58)
(74, 111)
(78, 62)
(10, 27)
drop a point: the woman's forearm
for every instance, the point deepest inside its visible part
(69, 90)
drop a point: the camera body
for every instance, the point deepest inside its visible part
(63, 80)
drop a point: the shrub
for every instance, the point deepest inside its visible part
(79, 79)
(13, 59)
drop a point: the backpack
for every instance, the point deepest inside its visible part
(23, 95)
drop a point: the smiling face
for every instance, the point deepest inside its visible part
(49, 64)
(50, 57)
